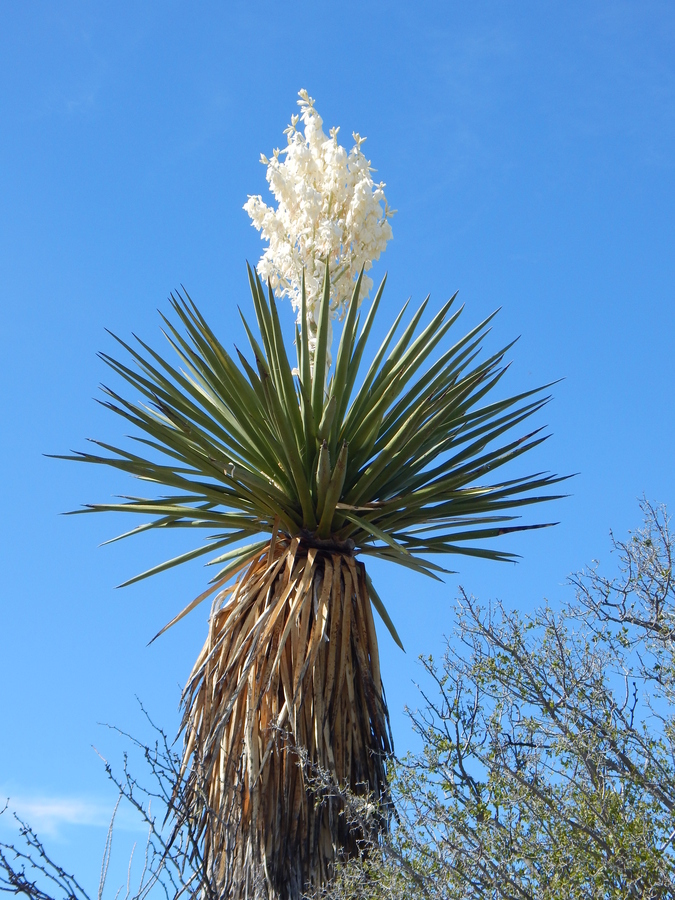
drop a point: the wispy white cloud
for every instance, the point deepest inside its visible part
(46, 814)
(49, 815)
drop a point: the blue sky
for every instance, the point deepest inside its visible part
(530, 151)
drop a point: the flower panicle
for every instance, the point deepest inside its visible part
(328, 210)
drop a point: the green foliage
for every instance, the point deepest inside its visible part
(548, 768)
(397, 468)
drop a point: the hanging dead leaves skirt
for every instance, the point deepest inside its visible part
(284, 699)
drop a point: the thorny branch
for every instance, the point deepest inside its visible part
(172, 858)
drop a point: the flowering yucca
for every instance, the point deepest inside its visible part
(298, 473)
(329, 211)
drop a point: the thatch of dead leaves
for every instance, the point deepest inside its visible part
(290, 661)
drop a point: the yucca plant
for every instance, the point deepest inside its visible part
(299, 474)
(305, 473)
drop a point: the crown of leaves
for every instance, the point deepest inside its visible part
(398, 467)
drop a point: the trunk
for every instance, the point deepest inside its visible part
(285, 699)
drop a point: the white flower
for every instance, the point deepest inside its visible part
(328, 209)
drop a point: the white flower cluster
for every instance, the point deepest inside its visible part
(328, 209)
